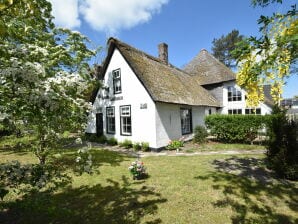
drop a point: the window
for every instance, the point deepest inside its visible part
(234, 94)
(110, 118)
(253, 111)
(116, 81)
(186, 121)
(125, 120)
(235, 111)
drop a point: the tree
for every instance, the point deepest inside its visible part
(223, 47)
(44, 73)
(268, 59)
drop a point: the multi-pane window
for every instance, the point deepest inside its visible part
(125, 120)
(186, 122)
(110, 118)
(234, 94)
(235, 111)
(253, 111)
(116, 81)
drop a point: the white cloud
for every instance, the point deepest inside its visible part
(109, 16)
(66, 13)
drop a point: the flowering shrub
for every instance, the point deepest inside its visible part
(175, 144)
(138, 170)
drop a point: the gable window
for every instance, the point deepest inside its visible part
(186, 121)
(125, 120)
(110, 118)
(233, 94)
(117, 81)
(253, 111)
(235, 111)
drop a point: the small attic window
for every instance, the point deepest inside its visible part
(117, 81)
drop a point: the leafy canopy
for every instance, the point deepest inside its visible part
(267, 59)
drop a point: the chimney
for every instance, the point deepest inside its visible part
(163, 52)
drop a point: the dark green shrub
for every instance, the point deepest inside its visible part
(236, 128)
(126, 144)
(137, 146)
(102, 139)
(200, 134)
(112, 141)
(282, 146)
(145, 146)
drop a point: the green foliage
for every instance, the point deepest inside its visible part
(264, 3)
(112, 141)
(174, 145)
(235, 128)
(145, 146)
(200, 134)
(7, 127)
(137, 146)
(222, 48)
(282, 148)
(127, 144)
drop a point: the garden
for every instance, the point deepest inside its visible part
(181, 189)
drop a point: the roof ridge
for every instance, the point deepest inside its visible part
(117, 41)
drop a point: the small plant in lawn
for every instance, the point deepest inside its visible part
(127, 144)
(137, 146)
(138, 170)
(200, 134)
(112, 141)
(145, 146)
(175, 145)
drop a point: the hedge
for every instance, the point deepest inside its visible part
(236, 128)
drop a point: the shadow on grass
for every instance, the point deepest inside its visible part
(114, 203)
(252, 192)
(99, 157)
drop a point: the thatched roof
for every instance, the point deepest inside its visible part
(208, 70)
(163, 82)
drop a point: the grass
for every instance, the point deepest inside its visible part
(192, 189)
(217, 146)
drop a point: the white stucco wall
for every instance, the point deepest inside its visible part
(239, 104)
(133, 94)
(168, 122)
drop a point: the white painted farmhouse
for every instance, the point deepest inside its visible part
(146, 99)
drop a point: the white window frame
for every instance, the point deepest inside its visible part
(110, 119)
(117, 79)
(234, 94)
(186, 121)
(125, 120)
(255, 111)
(234, 111)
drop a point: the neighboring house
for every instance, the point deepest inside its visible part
(146, 99)
(220, 81)
(291, 105)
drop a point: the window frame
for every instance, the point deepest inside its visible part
(108, 121)
(249, 111)
(234, 111)
(117, 79)
(234, 95)
(189, 120)
(121, 122)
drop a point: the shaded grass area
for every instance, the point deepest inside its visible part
(199, 189)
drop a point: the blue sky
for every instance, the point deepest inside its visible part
(186, 26)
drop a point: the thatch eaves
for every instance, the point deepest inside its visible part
(208, 70)
(163, 82)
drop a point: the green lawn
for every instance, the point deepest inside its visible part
(192, 189)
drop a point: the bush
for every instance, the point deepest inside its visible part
(102, 139)
(175, 144)
(282, 146)
(145, 146)
(112, 141)
(137, 146)
(200, 134)
(236, 128)
(127, 144)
